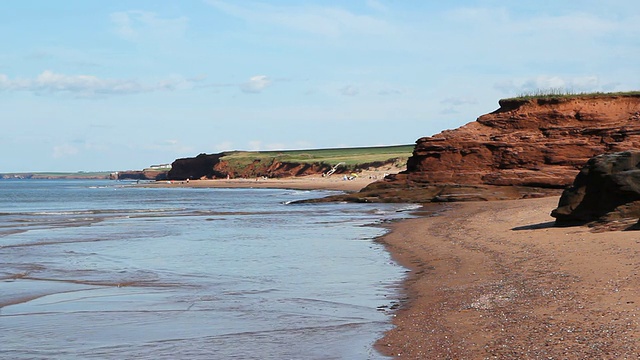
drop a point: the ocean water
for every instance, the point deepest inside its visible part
(105, 270)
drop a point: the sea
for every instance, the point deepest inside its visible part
(101, 269)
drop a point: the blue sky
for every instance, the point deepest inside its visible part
(91, 85)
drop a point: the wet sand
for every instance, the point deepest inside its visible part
(495, 280)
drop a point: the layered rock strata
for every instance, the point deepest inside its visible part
(216, 166)
(532, 144)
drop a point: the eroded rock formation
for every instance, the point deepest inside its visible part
(201, 166)
(536, 144)
(607, 189)
(212, 166)
(140, 175)
(540, 142)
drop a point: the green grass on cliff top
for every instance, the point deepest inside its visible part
(566, 94)
(350, 156)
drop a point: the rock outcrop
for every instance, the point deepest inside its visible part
(539, 142)
(606, 190)
(201, 166)
(534, 144)
(212, 166)
(140, 175)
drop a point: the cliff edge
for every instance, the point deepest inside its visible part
(525, 148)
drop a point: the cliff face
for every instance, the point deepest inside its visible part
(214, 166)
(140, 175)
(539, 142)
(222, 165)
(201, 166)
(526, 148)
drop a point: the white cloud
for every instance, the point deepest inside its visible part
(256, 84)
(144, 25)
(49, 82)
(324, 21)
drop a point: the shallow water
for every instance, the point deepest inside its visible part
(96, 269)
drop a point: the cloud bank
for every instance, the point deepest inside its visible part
(49, 83)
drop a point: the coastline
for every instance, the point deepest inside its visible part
(313, 182)
(497, 280)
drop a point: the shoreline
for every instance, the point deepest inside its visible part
(313, 182)
(497, 280)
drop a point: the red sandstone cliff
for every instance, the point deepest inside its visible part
(539, 142)
(211, 166)
(524, 148)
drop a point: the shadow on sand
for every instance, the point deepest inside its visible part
(544, 225)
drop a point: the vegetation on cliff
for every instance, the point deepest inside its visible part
(288, 162)
(566, 94)
(349, 156)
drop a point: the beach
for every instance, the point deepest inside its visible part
(496, 280)
(311, 182)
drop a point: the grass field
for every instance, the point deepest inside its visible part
(567, 94)
(349, 156)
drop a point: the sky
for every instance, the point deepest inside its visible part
(94, 85)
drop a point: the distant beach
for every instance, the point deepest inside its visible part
(312, 182)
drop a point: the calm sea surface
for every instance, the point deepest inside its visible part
(101, 270)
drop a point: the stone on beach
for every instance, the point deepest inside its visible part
(607, 189)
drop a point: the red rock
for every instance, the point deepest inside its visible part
(526, 148)
(539, 142)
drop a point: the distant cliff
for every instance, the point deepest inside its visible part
(290, 163)
(147, 174)
(527, 147)
(213, 166)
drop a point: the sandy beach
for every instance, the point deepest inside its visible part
(495, 280)
(313, 182)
